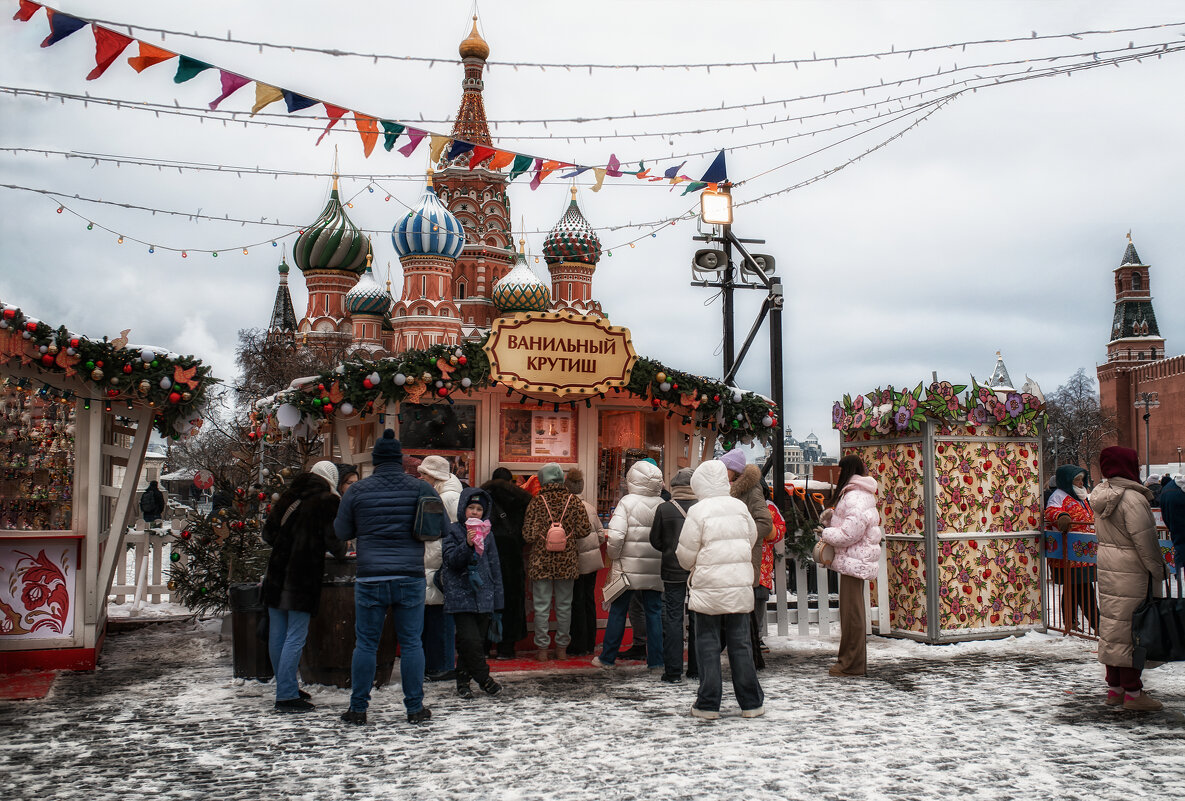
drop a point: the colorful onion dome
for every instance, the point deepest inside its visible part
(428, 229)
(333, 242)
(366, 296)
(520, 290)
(473, 45)
(572, 238)
(283, 268)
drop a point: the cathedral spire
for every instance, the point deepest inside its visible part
(471, 124)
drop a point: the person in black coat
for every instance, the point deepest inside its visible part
(300, 530)
(664, 537)
(506, 519)
(152, 503)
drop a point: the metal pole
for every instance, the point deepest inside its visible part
(775, 376)
(726, 289)
(1147, 443)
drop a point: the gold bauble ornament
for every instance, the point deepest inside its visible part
(145, 387)
(52, 349)
(114, 380)
(172, 585)
(426, 376)
(186, 396)
(96, 374)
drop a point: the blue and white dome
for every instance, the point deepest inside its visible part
(367, 297)
(428, 229)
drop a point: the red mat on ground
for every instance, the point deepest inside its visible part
(26, 686)
(530, 663)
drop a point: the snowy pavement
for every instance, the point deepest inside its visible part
(1017, 719)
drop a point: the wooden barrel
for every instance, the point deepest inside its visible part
(329, 649)
(249, 652)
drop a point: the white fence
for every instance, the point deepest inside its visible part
(802, 609)
(142, 575)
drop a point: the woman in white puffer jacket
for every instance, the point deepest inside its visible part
(628, 548)
(854, 531)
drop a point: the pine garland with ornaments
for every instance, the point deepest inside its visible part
(111, 371)
(440, 372)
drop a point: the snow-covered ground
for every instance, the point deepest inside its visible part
(1015, 719)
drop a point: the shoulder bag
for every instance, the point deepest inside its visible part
(430, 519)
(1158, 630)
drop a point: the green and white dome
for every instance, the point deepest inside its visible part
(332, 242)
(572, 238)
(367, 297)
(520, 290)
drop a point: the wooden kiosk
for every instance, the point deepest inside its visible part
(76, 415)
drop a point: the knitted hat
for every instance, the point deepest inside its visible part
(435, 467)
(551, 473)
(344, 471)
(328, 471)
(683, 477)
(734, 460)
(574, 481)
(386, 449)
(1120, 462)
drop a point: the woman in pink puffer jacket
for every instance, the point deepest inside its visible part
(854, 531)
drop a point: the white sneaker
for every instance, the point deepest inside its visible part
(753, 713)
(704, 714)
(596, 662)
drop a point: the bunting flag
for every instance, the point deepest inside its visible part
(26, 11)
(231, 83)
(149, 56)
(480, 154)
(459, 148)
(60, 26)
(544, 169)
(438, 141)
(334, 113)
(614, 168)
(694, 186)
(717, 172)
(501, 159)
(414, 135)
(296, 102)
(600, 173)
(643, 172)
(391, 131)
(188, 68)
(575, 172)
(672, 173)
(108, 46)
(521, 164)
(264, 96)
(368, 129)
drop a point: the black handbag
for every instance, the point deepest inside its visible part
(1158, 630)
(430, 519)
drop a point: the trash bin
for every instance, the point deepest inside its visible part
(251, 659)
(329, 649)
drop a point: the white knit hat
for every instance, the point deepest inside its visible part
(328, 471)
(435, 467)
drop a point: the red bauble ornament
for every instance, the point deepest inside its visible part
(263, 496)
(328, 407)
(112, 393)
(462, 360)
(127, 368)
(716, 398)
(251, 435)
(47, 360)
(31, 326)
(74, 343)
(675, 387)
(366, 382)
(321, 387)
(174, 397)
(442, 392)
(654, 402)
(9, 314)
(98, 364)
(186, 534)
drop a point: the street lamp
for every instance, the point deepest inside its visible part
(715, 208)
(1150, 401)
(1055, 440)
(1179, 459)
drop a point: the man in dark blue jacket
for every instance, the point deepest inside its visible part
(380, 511)
(1172, 509)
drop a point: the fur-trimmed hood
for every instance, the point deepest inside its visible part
(749, 478)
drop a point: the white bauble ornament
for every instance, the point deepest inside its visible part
(767, 421)
(736, 397)
(400, 379)
(165, 383)
(287, 415)
(346, 408)
(665, 386)
(466, 382)
(147, 356)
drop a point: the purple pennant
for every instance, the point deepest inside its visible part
(575, 172)
(613, 169)
(231, 83)
(60, 26)
(673, 172)
(538, 179)
(414, 135)
(296, 102)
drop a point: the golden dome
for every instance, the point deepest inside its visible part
(474, 46)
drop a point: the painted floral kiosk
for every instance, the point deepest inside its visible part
(960, 477)
(76, 415)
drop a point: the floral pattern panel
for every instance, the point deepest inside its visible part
(907, 585)
(37, 584)
(987, 486)
(898, 470)
(989, 583)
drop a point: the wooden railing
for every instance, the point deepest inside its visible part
(141, 575)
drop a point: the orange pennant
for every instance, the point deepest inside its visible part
(548, 168)
(368, 129)
(149, 57)
(501, 159)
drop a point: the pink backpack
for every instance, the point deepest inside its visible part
(556, 539)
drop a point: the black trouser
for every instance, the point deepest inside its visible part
(674, 599)
(584, 615)
(472, 628)
(514, 593)
(637, 623)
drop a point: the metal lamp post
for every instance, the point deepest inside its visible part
(1150, 401)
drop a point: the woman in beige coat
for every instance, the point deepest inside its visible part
(1129, 559)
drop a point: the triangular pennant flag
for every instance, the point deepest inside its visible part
(614, 167)
(108, 46)
(717, 172)
(368, 129)
(391, 131)
(544, 169)
(414, 135)
(502, 158)
(438, 142)
(149, 56)
(60, 26)
(26, 11)
(713, 186)
(575, 172)
(334, 113)
(678, 179)
(264, 96)
(600, 173)
(188, 67)
(642, 172)
(694, 186)
(459, 148)
(521, 165)
(672, 172)
(480, 154)
(231, 83)
(296, 102)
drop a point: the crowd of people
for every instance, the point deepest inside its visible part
(689, 566)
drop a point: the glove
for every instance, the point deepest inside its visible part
(825, 516)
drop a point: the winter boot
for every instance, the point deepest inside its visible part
(1114, 696)
(464, 690)
(355, 717)
(704, 714)
(294, 705)
(491, 687)
(422, 716)
(1141, 702)
(561, 653)
(542, 655)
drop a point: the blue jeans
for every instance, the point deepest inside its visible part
(287, 631)
(405, 597)
(615, 627)
(440, 634)
(740, 660)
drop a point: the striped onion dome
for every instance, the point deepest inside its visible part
(333, 242)
(520, 290)
(572, 238)
(367, 297)
(428, 229)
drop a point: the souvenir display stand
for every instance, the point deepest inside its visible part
(72, 445)
(960, 505)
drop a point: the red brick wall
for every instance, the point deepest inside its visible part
(1120, 386)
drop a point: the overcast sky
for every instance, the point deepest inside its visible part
(994, 225)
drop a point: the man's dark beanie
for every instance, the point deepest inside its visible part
(387, 449)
